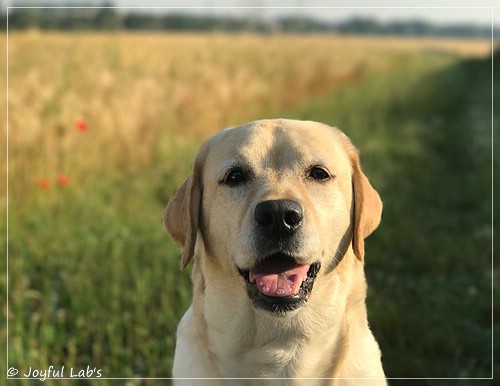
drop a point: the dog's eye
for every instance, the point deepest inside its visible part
(319, 174)
(235, 177)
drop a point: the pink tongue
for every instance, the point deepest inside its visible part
(280, 284)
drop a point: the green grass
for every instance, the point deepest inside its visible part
(94, 281)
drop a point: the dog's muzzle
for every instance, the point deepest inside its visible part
(279, 282)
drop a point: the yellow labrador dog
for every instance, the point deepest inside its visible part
(274, 215)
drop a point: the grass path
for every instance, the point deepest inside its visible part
(426, 144)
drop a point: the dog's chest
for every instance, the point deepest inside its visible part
(275, 360)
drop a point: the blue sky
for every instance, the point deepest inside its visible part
(437, 11)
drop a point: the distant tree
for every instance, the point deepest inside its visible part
(3, 22)
(301, 24)
(359, 25)
(135, 21)
(25, 18)
(107, 18)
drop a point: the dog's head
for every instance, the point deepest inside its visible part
(277, 202)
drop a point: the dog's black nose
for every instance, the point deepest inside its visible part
(278, 217)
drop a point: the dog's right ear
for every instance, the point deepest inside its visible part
(182, 214)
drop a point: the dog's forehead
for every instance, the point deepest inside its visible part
(278, 144)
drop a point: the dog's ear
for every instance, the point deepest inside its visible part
(182, 214)
(366, 201)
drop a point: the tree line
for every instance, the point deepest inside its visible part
(108, 18)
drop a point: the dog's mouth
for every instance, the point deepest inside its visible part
(279, 283)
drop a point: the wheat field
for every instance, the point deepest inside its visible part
(134, 91)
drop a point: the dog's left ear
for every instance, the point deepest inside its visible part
(182, 214)
(367, 203)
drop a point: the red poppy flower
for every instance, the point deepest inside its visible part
(81, 125)
(43, 184)
(63, 180)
